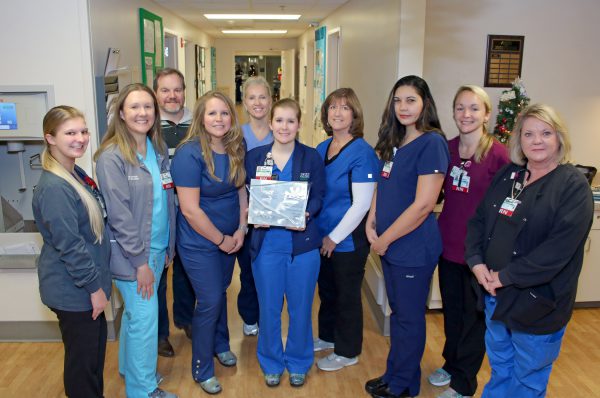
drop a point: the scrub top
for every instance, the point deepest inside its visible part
(218, 199)
(427, 154)
(250, 138)
(355, 162)
(159, 235)
(279, 239)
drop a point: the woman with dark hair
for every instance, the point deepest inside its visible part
(133, 172)
(401, 226)
(208, 171)
(475, 158)
(73, 266)
(350, 170)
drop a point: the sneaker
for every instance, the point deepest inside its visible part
(227, 358)
(250, 330)
(320, 345)
(451, 393)
(158, 393)
(439, 378)
(297, 379)
(211, 386)
(272, 379)
(335, 362)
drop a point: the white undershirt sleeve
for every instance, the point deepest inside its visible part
(362, 194)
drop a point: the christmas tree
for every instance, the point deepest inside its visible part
(512, 101)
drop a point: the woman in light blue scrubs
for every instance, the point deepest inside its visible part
(208, 171)
(133, 173)
(257, 132)
(285, 262)
(402, 228)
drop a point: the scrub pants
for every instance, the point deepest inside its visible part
(138, 351)
(278, 275)
(247, 300)
(464, 326)
(521, 362)
(210, 273)
(340, 313)
(407, 289)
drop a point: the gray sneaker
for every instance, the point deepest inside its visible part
(334, 362)
(158, 393)
(439, 378)
(320, 345)
(250, 330)
(450, 393)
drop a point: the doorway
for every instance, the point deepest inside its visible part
(267, 66)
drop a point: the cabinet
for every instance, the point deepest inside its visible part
(588, 294)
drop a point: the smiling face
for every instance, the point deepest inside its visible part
(539, 142)
(69, 141)
(217, 118)
(340, 116)
(257, 101)
(470, 113)
(138, 112)
(170, 94)
(408, 105)
(285, 124)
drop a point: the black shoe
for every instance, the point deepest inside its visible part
(165, 349)
(375, 384)
(384, 392)
(187, 329)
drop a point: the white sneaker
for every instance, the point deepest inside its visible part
(335, 362)
(250, 330)
(320, 345)
(439, 378)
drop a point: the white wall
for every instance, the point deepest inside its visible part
(560, 64)
(369, 53)
(227, 49)
(115, 23)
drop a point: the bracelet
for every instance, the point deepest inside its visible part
(222, 240)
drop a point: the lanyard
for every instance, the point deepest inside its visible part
(519, 187)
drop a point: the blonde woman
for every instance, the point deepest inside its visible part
(133, 172)
(208, 171)
(73, 266)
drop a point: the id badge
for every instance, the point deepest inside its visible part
(387, 169)
(167, 181)
(264, 172)
(455, 172)
(508, 206)
(461, 183)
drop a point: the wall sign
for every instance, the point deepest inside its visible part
(504, 60)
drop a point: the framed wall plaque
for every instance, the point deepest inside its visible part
(504, 60)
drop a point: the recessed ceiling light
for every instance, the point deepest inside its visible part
(275, 17)
(254, 31)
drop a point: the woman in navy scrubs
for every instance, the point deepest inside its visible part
(351, 168)
(208, 171)
(402, 228)
(285, 262)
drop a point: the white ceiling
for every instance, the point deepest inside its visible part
(193, 10)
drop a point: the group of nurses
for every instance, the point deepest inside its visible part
(132, 168)
(401, 226)
(257, 132)
(208, 171)
(285, 261)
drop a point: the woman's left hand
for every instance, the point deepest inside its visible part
(328, 247)
(299, 229)
(380, 246)
(238, 237)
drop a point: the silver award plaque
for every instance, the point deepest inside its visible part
(278, 203)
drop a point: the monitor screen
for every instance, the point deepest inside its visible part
(8, 116)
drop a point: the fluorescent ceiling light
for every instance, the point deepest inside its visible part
(254, 31)
(276, 17)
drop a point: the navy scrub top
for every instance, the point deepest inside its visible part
(427, 154)
(218, 199)
(355, 162)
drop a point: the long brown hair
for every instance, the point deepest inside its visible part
(118, 134)
(232, 140)
(52, 122)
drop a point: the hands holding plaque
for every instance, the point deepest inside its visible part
(278, 203)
